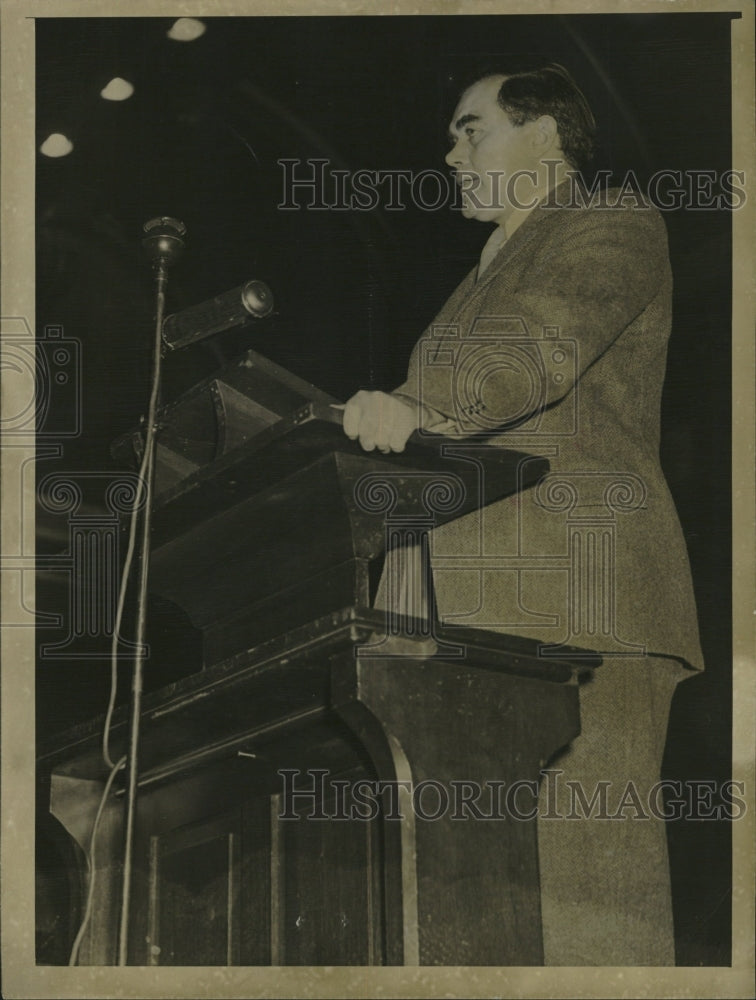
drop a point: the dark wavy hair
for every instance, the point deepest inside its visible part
(550, 90)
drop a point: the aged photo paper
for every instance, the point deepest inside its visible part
(285, 182)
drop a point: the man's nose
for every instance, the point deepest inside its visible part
(455, 157)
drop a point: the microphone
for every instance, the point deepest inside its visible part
(163, 244)
(229, 309)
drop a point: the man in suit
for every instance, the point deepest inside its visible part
(555, 344)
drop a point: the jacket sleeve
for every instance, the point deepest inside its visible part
(516, 351)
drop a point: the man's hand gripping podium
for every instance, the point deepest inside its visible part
(384, 421)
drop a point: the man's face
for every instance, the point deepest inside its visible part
(488, 149)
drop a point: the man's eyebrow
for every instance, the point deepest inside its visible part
(461, 122)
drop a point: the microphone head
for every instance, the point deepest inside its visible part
(163, 243)
(257, 299)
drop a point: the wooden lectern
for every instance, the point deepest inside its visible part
(338, 785)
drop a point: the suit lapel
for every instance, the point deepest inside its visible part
(469, 290)
(522, 237)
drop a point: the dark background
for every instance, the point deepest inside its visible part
(200, 140)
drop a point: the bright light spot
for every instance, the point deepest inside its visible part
(117, 90)
(186, 29)
(56, 145)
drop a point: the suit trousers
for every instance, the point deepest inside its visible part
(605, 886)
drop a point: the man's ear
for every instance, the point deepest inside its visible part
(545, 134)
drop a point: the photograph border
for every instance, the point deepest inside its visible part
(21, 976)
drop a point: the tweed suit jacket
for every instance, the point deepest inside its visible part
(560, 350)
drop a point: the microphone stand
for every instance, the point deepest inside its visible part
(163, 245)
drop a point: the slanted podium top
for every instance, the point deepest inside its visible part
(262, 503)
